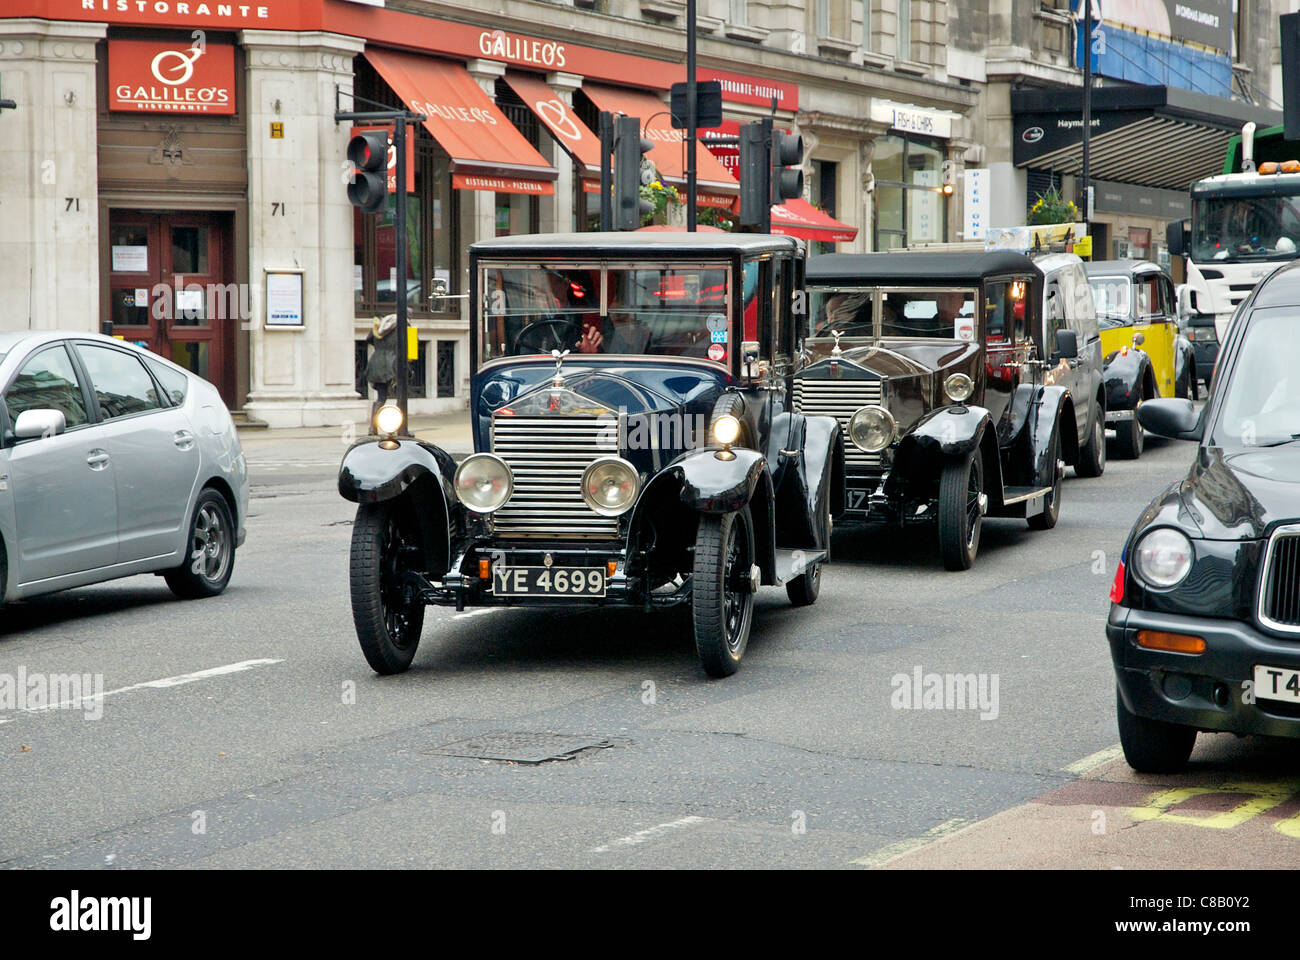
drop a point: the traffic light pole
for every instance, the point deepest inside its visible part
(399, 119)
(606, 177)
(1087, 104)
(691, 115)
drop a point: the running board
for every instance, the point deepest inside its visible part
(792, 563)
(1023, 501)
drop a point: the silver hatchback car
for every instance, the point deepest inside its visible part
(113, 462)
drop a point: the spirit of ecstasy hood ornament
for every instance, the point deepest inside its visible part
(558, 379)
(836, 334)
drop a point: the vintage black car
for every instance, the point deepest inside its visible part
(1146, 356)
(636, 443)
(933, 365)
(1204, 626)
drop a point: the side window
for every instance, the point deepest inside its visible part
(121, 384)
(1055, 310)
(48, 381)
(1083, 318)
(1148, 297)
(1170, 307)
(175, 384)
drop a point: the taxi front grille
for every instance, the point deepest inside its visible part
(1280, 593)
(547, 456)
(840, 399)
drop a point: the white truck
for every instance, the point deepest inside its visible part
(1245, 222)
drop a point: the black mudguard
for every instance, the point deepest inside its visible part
(372, 474)
(710, 485)
(1048, 413)
(812, 485)
(1123, 375)
(1184, 364)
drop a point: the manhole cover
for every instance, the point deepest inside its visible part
(521, 747)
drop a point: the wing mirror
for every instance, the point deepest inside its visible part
(1172, 417)
(1067, 344)
(39, 423)
(1139, 339)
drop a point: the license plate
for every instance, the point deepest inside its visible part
(1277, 683)
(856, 499)
(548, 582)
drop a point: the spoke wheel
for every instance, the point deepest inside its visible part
(210, 550)
(387, 611)
(961, 515)
(722, 604)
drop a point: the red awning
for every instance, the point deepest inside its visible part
(558, 117)
(668, 155)
(799, 218)
(487, 152)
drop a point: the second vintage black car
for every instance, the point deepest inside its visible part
(1204, 626)
(933, 366)
(636, 446)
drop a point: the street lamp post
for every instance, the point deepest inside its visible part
(1085, 186)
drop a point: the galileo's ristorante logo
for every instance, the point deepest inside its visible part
(153, 77)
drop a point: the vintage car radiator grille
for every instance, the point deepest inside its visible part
(840, 399)
(1280, 603)
(548, 456)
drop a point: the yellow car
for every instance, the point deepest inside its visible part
(1143, 353)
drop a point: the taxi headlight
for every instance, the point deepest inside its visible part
(483, 482)
(610, 485)
(726, 430)
(1163, 557)
(388, 421)
(959, 387)
(872, 429)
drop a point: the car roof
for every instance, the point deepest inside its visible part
(632, 243)
(930, 267)
(1281, 288)
(34, 338)
(1114, 268)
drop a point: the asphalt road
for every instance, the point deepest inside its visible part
(247, 730)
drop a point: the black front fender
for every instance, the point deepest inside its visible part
(1123, 375)
(372, 474)
(710, 485)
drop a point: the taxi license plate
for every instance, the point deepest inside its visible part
(548, 582)
(1277, 683)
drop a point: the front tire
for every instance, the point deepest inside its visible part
(804, 589)
(961, 512)
(1092, 458)
(722, 604)
(1152, 746)
(388, 615)
(1129, 438)
(210, 560)
(1052, 508)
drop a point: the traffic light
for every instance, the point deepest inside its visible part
(787, 154)
(368, 154)
(755, 175)
(629, 147)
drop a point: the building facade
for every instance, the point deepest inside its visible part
(174, 166)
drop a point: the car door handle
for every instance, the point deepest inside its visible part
(97, 459)
(183, 439)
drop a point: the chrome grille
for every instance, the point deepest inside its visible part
(1279, 603)
(840, 399)
(547, 456)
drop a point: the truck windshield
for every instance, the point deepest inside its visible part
(664, 310)
(1236, 227)
(946, 313)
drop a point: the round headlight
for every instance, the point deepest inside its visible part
(388, 420)
(1163, 557)
(609, 486)
(872, 429)
(959, 387)
(483, 482)
(726, 430)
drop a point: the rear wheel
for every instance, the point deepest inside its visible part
(387, 611)
(722, 604)
(803, 589)
(1092, 458)
(961, 511)
(1152, 746)
(210, 559)
(1052, 508)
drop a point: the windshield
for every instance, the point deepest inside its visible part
(641, 310)
(1262, 400)
(1112, 297)
(944, 313)
(1240, 227)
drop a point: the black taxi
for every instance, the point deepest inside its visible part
(636, 445)
(933, 365)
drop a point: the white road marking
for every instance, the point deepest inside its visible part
(643, 836)
(886, 853)
(474, 613)
(165, 682)
(1094, 760)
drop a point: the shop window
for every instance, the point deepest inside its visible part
(416, 371)
(910, 206)
(518, 213)
(446, 372)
